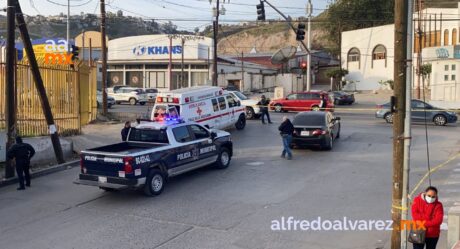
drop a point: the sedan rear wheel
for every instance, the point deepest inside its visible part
(329, 143)
(440, 120)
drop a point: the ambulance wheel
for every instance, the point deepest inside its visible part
(250, 113)
(224, 158)
(132, 101)
(241, 123)
(155, 182)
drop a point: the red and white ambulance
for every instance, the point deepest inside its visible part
(211, 106)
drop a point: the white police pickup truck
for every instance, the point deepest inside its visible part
(153, 152)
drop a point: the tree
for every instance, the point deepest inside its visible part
(425, 71)
(344, 15)
(336, 73)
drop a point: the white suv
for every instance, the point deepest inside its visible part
(252, 110)
(132, 95)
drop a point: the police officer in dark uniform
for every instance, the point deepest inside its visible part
(22, 153)
(125, 131)
(263, 104)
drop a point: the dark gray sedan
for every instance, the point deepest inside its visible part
(315, 129)
(433, 114)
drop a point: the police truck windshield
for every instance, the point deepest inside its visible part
(148, 135)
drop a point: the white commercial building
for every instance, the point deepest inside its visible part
(143, 61)
(368, 54)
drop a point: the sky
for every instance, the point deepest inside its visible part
(194, 13)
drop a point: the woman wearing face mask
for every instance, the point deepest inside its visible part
(427, 208)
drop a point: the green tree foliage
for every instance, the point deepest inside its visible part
(346, 15)
(336, 73)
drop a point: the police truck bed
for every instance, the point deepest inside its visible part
(126, 147)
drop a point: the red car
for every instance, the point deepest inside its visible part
(303, 101)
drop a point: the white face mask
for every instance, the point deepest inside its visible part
(430, 199)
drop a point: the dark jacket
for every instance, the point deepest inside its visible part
(286, 128)
(22, 152)
(124, 133)
(431, 213)
(263, 104)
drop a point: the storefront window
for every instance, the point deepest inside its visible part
(157, 66)
(177, 82)
(199, 78)
(134, 79)
(114, 79)
(134, 66)
(156, 80)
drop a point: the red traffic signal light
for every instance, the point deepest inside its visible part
(303, 65)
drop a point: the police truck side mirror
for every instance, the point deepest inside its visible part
(238, 103)
(213, 135)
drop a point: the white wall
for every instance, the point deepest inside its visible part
(367, 73)
(442, 89)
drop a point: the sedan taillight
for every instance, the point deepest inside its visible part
(318, 132)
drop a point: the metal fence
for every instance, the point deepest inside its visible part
(66, 87)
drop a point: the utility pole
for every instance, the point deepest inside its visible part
(68, 26)
(9, 87)
(39, 83)
(104, 60)
(419, 52)
(407, 122)
(182, 62)
(242, 72)
(309, 12)
(170, 64)
(399, 108)
(215, 37)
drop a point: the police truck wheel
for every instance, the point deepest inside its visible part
(224, 158)
(241, 123)
(132, 101)
(155, 182)
(250, 113)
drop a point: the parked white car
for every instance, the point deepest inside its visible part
(132, 95)
(252, 110)
(151, 94)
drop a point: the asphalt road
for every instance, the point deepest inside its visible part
(234, 208)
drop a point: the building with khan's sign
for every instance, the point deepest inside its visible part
(143, 61)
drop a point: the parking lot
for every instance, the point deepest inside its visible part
(233, 208)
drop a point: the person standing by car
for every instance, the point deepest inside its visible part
(426, 208)
(286, 130)
(22, 153)
(125, 131)
(263, 104)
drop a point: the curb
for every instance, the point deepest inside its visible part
(42, 172)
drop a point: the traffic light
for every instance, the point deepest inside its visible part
(260, 11)
(303, 66)
(300, 36)
(75, 52)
